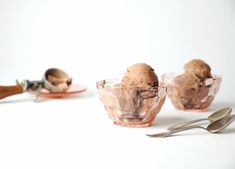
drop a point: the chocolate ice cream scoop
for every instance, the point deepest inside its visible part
(187, 84)
(200, 68)
(140, 75)
(186, 91)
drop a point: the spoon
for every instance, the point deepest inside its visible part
(54, 80)
(213, 117)
(214, 127)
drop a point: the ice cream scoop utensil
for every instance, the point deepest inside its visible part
(54, 80)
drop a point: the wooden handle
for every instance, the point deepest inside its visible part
(6, 91)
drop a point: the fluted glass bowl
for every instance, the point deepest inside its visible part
(131, 106)
(201, 98)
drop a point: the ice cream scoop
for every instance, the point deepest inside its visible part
(198, 67)
(140, 75)
(186, 91)
(54, 80)
(187, 84)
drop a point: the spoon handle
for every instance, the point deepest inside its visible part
(169, 133)
(180, 125)
(6, 91)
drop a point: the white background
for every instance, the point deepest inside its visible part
(94, 40)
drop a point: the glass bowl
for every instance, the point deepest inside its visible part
(194, 100)
(131, 106)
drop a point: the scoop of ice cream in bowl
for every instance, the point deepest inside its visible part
(136, 99)
(193, 90)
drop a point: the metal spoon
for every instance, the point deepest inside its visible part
(214, 127)
(213, 117)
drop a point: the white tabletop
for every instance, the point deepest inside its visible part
(77, 133)
(93, 40)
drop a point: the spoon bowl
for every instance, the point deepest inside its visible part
(56, 80)
(221, 124)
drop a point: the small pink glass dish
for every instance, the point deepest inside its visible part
(131, 106)
(202, 99)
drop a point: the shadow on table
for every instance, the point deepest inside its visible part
(86, 94)
(31, 98)
(228, 131)
(167, 121)
(16, 101)
(215, 106)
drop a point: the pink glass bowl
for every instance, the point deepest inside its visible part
(131, 106)
(202, 99)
